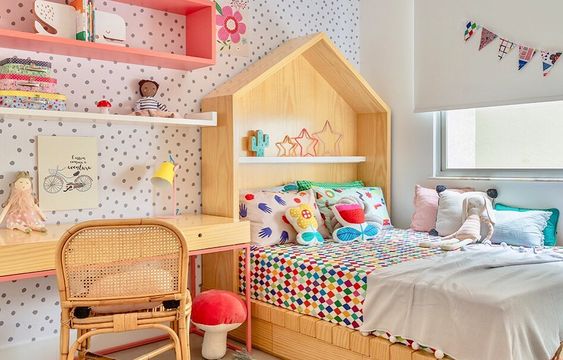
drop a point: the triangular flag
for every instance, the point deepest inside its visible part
(470, 29)
(525, 55)
(505, 48)
(549, 59)
(487, 37)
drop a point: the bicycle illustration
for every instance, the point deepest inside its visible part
(55, 182)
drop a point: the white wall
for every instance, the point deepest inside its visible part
(387, 59)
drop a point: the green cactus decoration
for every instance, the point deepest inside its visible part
(259, 143)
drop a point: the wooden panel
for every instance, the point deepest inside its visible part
(278, 316)
(422, 355)
(400, 352)
(291, 320)
(334, 67)
(261, 334)
(379, 348)
(261, 310)
(294, 98)
(219, 271)
(307, 325)
(324, 331)
(328, 61)
(294, 346)
(360, 343)
(374, 142)
(217, 161)
(341, 336)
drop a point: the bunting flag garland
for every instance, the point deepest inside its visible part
(525, 55)
(487, 37)
(549, 59)
(505, 48)
(470, 28)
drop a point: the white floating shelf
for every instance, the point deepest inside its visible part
(303, 160)
(195, 119)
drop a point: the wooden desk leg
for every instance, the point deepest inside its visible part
(248, 304)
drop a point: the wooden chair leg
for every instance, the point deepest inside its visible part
(183, 334)
(65, 334)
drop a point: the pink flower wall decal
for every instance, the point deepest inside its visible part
(231, 25)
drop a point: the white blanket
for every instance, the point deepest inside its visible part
(478, 304)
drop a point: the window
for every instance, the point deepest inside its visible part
(516, 140)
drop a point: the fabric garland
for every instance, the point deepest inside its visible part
(525, 53)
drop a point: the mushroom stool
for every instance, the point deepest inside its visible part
(216, 312)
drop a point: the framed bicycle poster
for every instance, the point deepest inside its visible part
(68, 172)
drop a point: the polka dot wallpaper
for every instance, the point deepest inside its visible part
(128, 153)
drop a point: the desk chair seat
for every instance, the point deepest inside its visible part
(123, 275)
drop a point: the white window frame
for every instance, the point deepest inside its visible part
(441, 171)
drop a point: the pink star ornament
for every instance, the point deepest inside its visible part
(306, 143)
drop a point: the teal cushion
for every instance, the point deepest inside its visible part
(550, 231)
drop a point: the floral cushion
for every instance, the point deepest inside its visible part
(372, 197)
(266, 212)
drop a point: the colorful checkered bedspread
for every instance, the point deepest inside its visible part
(329, 281)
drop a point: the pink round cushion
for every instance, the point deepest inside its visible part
(218, 307)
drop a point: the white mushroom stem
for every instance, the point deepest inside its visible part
(215, 340)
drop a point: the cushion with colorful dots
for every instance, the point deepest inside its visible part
(303, 220)
(371, 197)
(266, 211)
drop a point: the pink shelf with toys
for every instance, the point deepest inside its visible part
(199, 39)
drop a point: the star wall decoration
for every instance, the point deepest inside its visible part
(306, 143)
(286, 147)
(329, 141)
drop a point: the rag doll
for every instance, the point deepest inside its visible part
(477, 210)
(21, 210)
(147, 105)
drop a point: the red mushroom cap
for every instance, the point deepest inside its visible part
(103, 104)
(218, 307)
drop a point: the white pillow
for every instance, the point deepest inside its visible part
(450, 209)
(520, 228)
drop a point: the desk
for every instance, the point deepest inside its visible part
(24, 256)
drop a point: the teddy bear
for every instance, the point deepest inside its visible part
(147, 105)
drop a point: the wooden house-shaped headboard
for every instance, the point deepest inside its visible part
(301, 84)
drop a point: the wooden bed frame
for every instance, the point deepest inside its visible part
(302, 84)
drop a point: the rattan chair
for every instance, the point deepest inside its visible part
(123, 275)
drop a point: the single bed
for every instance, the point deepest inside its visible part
(329, 281)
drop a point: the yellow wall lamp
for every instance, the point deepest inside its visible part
(164, 177)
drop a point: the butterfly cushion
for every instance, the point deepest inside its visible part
(266, 212)
(371, 198)
(303, 220)
(354, 225)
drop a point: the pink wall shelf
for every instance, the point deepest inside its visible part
(200, 39)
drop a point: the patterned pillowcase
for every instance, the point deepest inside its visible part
(266, 212)
(371, 196)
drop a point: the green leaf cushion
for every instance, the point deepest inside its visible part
(304, 185)
(550, 231)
